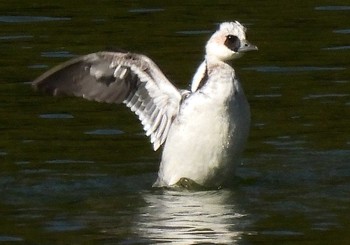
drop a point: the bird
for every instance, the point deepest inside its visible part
(202, 130)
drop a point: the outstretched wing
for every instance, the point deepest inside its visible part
(114, 77)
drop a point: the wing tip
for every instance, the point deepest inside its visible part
(156, 145)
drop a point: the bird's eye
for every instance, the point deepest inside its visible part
(231, 37)
(232, 42)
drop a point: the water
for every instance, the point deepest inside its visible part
(78, 172)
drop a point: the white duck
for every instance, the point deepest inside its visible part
(203, 130)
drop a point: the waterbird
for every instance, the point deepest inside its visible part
(202, 130)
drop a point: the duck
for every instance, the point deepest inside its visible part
(201, 130)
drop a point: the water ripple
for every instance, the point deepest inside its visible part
(332, 8)
(67, 161)
(105, 132)
(286, 143)
(198, 32)
(337, 48)
(343, 31)
(38, 66)
(320, 96)
(61, 225)
(10, 239)
(3, 153)
(190, 218)
(292, 69)
(146, 10)
(57, 54)
(16, 37)
(56, 116)
(267, 95)
(27, 19)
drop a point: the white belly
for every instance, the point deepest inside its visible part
(205, 141)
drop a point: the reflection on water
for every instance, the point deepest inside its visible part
(189, 218)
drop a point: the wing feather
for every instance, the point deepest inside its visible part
(116, 77)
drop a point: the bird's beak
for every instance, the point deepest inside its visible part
(246, 46)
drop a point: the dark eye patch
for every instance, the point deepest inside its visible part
(232, 42)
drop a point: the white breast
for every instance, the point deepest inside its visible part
(206, 139)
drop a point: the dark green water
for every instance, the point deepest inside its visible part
(78, 172)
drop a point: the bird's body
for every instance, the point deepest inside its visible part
(203, 130)
(209, 132)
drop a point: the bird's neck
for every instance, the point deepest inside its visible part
(214, 60)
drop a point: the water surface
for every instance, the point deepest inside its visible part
(79, 172)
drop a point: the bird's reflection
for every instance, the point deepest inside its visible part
(189, 217)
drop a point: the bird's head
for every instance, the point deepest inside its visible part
(228, 42)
